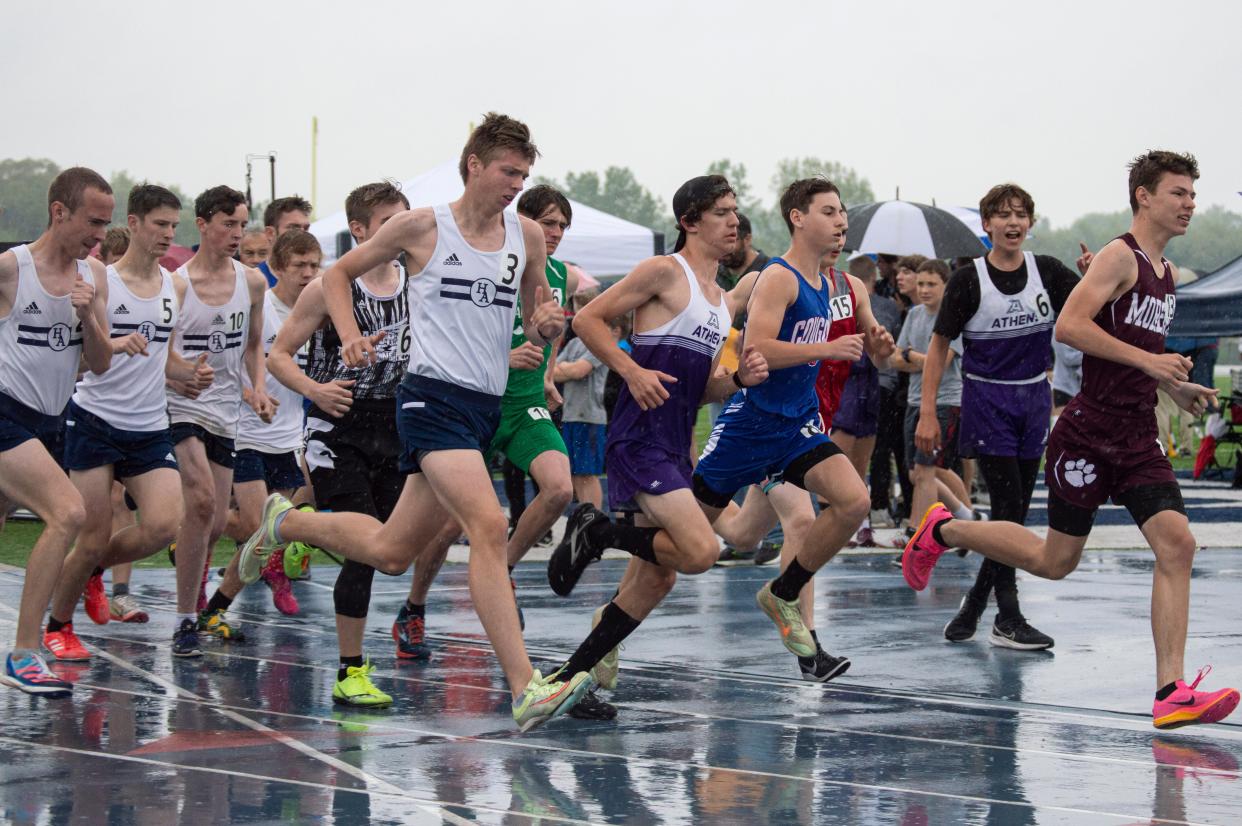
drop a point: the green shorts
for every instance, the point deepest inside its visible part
(524, 433)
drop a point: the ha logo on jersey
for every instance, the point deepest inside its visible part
(484, 292)
(57, 337)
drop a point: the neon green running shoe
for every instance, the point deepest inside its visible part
(214, 624)
(297, 554)
(358, 690)
(788, 619)
(605, 671)
(546, 698)
(263, 541)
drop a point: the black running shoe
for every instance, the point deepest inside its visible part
(185, 640)
(767, 552)
(576, 551)
(591, 707)
(730, 556)
(822, 667)
(963, 626)
(1017, 633)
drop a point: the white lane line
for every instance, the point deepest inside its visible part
(429, 806)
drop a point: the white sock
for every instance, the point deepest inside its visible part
(866, 525)
(963, 512)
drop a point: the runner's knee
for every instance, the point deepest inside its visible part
(702, 552)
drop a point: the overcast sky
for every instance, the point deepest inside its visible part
(941, 99)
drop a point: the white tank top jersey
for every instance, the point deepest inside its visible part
(40, 341)
(284, 433)
(220, 332)
(698, 327)
(462, 306)
(131, 395)
(1003, 319)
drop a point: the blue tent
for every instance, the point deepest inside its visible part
(1212, 306)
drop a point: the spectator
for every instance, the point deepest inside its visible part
(280, 216)
(255, 248)
(584, 421)
(1066, 375)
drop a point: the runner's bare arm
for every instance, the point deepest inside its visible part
(91, 304)
(773, 294)
(1113, 271)
(927, 433)
(644, 283)
(739, 296)
(8, 282)
(404, 232)
(307, 316)
(254, 358)
(752, 369)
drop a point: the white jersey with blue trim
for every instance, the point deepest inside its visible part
(462, 306)
(283, 433)
(131, 395)
(40, 341)
(220, 332)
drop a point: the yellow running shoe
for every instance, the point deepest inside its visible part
(605, 671)
(546, 698)
(214, 624)
(358, 690)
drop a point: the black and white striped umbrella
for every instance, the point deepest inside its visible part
(906, 228)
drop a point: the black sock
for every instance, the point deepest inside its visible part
(1006, 588)
(511, 567)
(54, 625)
(936, 531)
(347, 662)
(120, 589)
(788, 584)
(637, 541)
(1162, 694)
(97, 572)
(415, 610)
(614, 626)
(219, 602)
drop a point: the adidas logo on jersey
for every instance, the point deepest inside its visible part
(33, 309)
(219, 319)
(452, 260)
(122, 310)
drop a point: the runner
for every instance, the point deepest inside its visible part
(267, 452)
(527, 436)
(472, 259)
(54, 300)
(1104, 445)
(681, 317)
(775, 430)
(1003, 307)
(118, 423)
(352, 447)
(221, 316)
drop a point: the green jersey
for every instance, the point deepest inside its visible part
(525, 387)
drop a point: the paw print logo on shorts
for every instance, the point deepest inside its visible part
(1078, 472)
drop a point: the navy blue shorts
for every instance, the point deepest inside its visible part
(280, 471)
(435, 415)
(585, 443)
(19, 423)
(91, 442)
(749, 445)
(220, 451)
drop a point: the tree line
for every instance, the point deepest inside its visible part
(1214, 239)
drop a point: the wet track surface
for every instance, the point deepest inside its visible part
(714, 724)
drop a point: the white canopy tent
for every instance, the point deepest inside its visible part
(600, 243)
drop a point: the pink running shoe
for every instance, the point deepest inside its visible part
(282, 589)
(923, 551)
(1186, 706)
(96, 600)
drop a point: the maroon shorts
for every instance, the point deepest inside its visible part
(1094, 456)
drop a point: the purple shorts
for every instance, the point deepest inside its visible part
(859, 412)
(1095, 454)
(1005, 419)
(636, 467)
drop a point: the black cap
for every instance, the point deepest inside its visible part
(695, 191)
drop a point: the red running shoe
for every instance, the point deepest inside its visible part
(923, 551)
(96, 599)
(1185, 706)
(282, 589)
(65, 645)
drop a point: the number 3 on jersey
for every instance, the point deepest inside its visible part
(508, 269)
